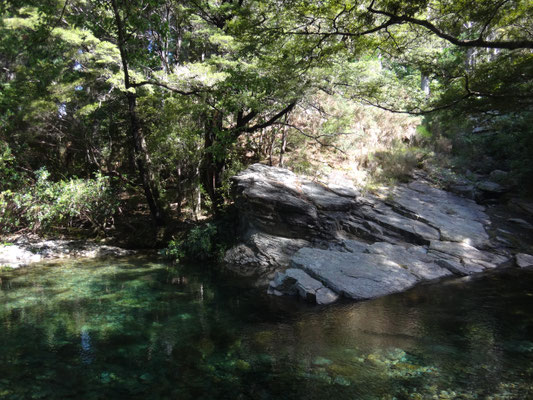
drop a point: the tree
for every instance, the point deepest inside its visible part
(475, 53)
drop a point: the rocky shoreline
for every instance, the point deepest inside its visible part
(324, 242)
(25, 250)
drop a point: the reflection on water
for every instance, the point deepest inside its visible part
(139, 329)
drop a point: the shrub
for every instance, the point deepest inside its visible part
(198, 244)
(10, 178)
(46, 204)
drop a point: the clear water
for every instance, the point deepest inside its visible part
(135, 329)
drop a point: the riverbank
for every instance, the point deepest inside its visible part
(20, 251)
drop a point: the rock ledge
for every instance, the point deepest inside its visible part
(321, 241)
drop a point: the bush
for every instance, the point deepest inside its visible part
(10, 178)
(484, 143)
(46, 205)
(198, 244)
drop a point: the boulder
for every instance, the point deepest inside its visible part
(490, 187)
(524, 260)
(347, 244)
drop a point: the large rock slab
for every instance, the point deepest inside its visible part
(458, 219)
(382, 222)
(465, 253)
(414, 259)
(357, 246)
(365, 271)
(354, 275)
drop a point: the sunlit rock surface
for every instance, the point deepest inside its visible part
(24, 251)
(358, 246)
(524, 260)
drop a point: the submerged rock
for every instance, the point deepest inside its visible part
(349, 244)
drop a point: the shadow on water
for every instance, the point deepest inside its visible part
(138, 328)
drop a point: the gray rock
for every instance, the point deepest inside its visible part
(458, 268)
(24, 251)
(414, 259)
(490, 187)
(354, 275)
(326, 296)
(408, 229)
(283, 283)
(352, 245)
(344, 191)
(465, 190)
(261, 255)
(325, 199)
(305, 285)
(458, 219)
(355, 246)
(465, 252)
(524, 260)
(296, 281)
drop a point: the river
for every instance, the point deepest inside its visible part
(139, 328)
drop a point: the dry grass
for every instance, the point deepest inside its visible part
(339, 141)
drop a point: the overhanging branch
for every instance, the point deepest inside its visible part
(163, 85)
(479, 42)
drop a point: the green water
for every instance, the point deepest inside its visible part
(135, 329)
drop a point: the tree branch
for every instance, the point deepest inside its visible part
(163, 85)
(315, 138)
(479, 42)
(272, 120)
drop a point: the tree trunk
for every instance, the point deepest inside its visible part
(424, 84)
(213, 164)
(283, 146)
(142, 158)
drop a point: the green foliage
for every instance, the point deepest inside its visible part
(10, 178)
(499, 142)
(424, 132)
(206, 76)
(47, 205)
(199, 244)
